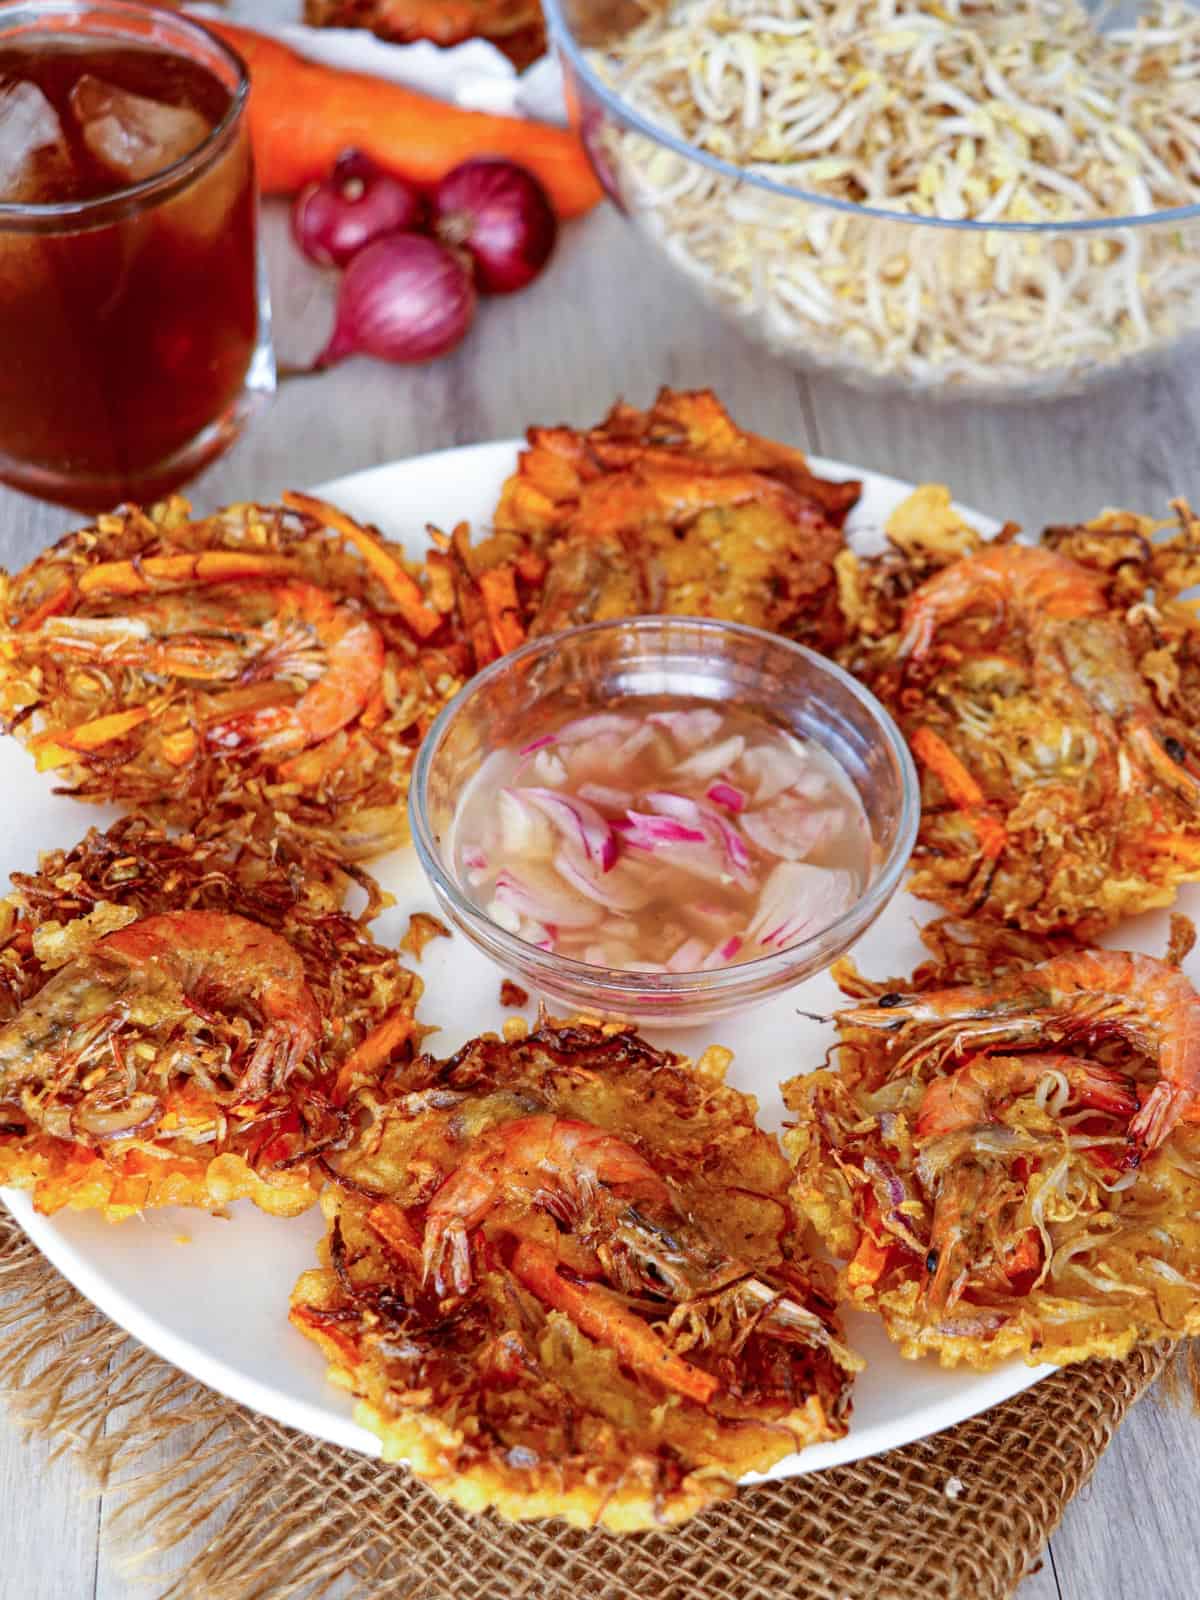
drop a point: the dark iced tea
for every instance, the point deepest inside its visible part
(129, 316)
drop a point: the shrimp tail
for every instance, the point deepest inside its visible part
(446, 1258)
(1160, 1111)
(275, 1057)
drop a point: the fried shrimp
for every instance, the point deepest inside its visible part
(205, 958)
(1077, 645)
(670, 510)
(563, 1277)
(179, 1026)
(1049, 695)
(271, 659)
(1082, 994)
(991, 1199)
(239, 633)
(561, 1162)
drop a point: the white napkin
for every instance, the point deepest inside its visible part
(474, 75)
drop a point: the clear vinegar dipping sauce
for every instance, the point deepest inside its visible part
(666, 835)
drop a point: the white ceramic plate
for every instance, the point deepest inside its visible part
(210, 1294)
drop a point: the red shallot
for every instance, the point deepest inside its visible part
(334, 219)
(500, 214)
(404, 298)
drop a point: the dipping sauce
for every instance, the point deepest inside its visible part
(127, 325)
(678, 837)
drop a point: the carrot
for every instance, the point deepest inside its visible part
(206, 566)
(870, 1259)
(58, 600)
(403, 589)
(1025, 1256)
(309, 1320)
(961, 789)
(868, 1264)
(373, 1051)
(499, 589)
(54, 747)
(302, 116)
(604, 1318)
(1182, 849)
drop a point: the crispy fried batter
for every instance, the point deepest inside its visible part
(970, 1171)
(263, 660)
(674, 509)
(126, 1086)
(605, 1339)
(422, 930)
(1058, 756)
(514, 26)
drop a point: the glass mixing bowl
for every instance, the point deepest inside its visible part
(602, 665)
(883, 299)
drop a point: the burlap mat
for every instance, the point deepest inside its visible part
(963, 1516)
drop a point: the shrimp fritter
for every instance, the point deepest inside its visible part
(671, 510)
(1009, 1161)
(1050, 696)
(182, 1027)
(267, 658)
(563, 1277)
(514, 26)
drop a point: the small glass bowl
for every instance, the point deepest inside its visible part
(608, 663)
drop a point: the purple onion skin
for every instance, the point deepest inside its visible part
(405, 298)
(334, 219)
(501, 216)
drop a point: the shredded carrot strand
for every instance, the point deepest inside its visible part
(870, 1258)
(205, 566)
(396, 1231)
(373, 1051)
(54, 747)
(604, 1318)
(400, 585)
(961, 788)
(499, 590)
(54, 602)
(308, 1321)
(1173, 844)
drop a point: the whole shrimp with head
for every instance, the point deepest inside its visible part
(1078, 996)
(1079, 649)
(615, 1204)
(575, 1259)
(1009, 1166)
(70, 1050)
(268, 658)
(1061, 788)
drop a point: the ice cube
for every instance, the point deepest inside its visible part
(35, 163)
(130, 135)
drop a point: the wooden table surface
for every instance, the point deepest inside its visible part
(606, 321)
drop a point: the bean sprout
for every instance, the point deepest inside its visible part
(991, 111)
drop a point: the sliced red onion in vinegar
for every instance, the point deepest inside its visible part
(690, 727)
(608, 799)
(663, 836)
(579, 823)
(523, 831)
(791, 828)
(725, 794)
(711, 759)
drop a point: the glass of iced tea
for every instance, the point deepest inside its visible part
(134, 320)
